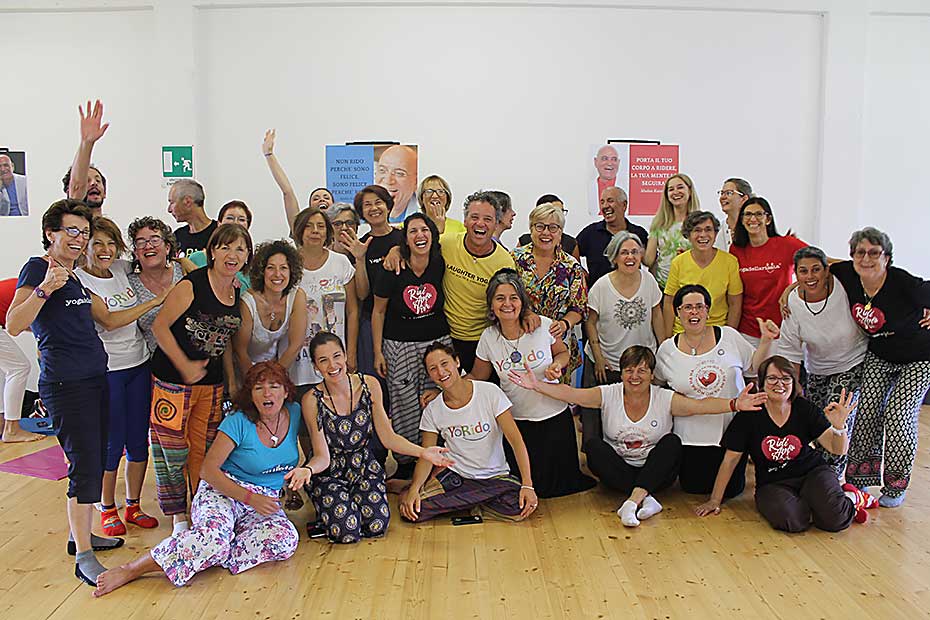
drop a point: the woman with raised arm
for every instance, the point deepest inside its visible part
(794, 487)
(546, 425)
(193, 330)
(350, 497)
(638, 453)
(665, 239)
(320, 198)
(705, 361)
(238, 522)
(473, 418)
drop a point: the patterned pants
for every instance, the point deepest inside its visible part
(351, 511)
(449, 492)
(226, 533)
(406, 380)
(825, 389)
(185, 419)
(888, 410)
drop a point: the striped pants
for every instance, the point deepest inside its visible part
(185, 420)
(886, 428)
(822, 390)
(447, 491)
(406, 380)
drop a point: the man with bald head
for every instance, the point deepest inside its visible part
(13, 188)
(396, 171)
(608, 166)
(593, 239)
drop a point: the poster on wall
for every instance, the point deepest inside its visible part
(640, 168)
(14, 199)
(350, 167)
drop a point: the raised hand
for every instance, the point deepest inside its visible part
(349, 238)
(268, 143)
(437, 456)
(750, 402)
(526, 380)
(838, 412)
(769, 329)
(92, 126)
(55, 277)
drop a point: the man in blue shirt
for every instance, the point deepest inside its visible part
(593, 239)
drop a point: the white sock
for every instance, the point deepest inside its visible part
(180, 526)
(627, 514)
(650, 508)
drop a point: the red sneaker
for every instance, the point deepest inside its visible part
(109, 521)
(135, 516)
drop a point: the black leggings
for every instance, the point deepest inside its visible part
(658, 472)
(699, 465)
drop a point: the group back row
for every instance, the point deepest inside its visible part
(352, 346)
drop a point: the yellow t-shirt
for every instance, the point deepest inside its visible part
(453, 228)
(720, 278)
(465, 283)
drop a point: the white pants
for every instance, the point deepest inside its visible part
(14, 372)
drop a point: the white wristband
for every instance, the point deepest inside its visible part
(838, 431)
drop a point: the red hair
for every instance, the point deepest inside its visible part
(263, 371)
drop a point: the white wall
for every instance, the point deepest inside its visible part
(796, 96)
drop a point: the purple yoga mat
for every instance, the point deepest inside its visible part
(48, 464)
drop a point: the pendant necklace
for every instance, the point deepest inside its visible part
(274, 435)
(693, 348)
(515, 356)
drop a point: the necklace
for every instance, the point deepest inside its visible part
(333, 401)
(274, 435)
(825, 300)
(694, 348)
(869, 298)
(515, 356)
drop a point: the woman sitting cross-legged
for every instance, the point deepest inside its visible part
(472, 417)
(237, 519)
(638, 453)
(794, 485)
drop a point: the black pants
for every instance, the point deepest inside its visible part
(658, 472)
(791, 505)
(699, 465)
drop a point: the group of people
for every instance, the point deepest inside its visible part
(256, 372)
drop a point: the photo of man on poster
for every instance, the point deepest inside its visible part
(13, 197)
(396, 171)
(611, 169)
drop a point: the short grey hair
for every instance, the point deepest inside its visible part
(488, 197)
(191, 188)
(696, 217)
(342, 207)
(545, 210)
(810, 252)
(613, 248)
(873, 236)
(622, 192)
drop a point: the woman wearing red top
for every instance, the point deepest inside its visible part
(766, 264)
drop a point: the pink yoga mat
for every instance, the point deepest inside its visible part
(48, 464)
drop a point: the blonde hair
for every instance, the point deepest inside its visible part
(665, 217)
(545, 210)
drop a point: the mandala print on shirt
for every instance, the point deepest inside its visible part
(630, 314)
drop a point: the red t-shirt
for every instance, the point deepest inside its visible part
(766, 271)
(7, 290)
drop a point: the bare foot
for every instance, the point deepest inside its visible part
(115, 578)
(19, 436)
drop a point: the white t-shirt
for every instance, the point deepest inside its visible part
(623, 322)
(326, 311)
(829, 342)
(535, 348)
(717, 373)
(471, 433)
(263, 343)
(635, 440)
(125, 346)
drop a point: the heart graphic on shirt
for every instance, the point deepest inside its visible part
(708, 378)
(420, 299)
(871, 319)
(633, 445)
(781, 449)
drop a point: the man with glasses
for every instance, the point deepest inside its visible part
(593, 238)
(396, 171)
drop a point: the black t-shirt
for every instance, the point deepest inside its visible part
(568, 242)
(203, 331)
(415, 304)
(378, 249)
(593, 240)
(779, 453)
(189, 242)
(891, 320)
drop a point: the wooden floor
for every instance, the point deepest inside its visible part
(573, 559)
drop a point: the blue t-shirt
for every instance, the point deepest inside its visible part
(64, 329)
(251, 460)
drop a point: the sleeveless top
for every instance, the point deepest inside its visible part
(143, 295)
(263, 343)
(349, 437)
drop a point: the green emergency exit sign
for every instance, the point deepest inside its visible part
(177, 161)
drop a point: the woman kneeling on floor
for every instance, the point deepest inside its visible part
(472, 417)
(794, 485)
(638, 453)
(238, 522)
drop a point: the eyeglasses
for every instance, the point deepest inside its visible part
(435, 192)
(754, 215)
(343, 224)
(540, 227)
(694, 307)
(74, 231)
(154, 242)
(634, 252)
(773, 380)
(874, 254)
(729, 192)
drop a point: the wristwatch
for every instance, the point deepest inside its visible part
(40, 293)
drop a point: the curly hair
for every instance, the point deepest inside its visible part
(264, 252)
(158, 226)
(269, 370)
(51, 219)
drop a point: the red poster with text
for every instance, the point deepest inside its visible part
(650, 166)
